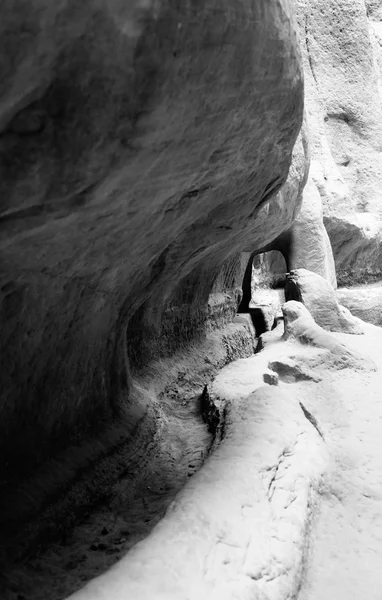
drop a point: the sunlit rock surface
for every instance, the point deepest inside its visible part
(341, 45)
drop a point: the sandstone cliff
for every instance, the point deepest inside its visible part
(142, 148)
(341, 45)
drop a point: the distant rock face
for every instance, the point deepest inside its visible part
(143, 147)
(365, 302)
(319, 297)
(341, 45)
(310, 246)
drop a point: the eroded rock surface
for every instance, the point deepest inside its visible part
(238, 528)
(142, 146)
(320, 299)
(300, 325)
(341, 44)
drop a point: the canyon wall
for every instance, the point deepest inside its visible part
(341, 43)
(144, 146)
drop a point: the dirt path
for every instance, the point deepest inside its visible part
(346, 540)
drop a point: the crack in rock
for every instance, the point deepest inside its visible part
(312, 419)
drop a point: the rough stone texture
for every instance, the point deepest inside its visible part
(238, 529)
(363, 302)
(141, 147)
(342, 59)
(271, 378)
(319, 297)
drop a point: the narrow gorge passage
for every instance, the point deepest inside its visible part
(133, 507)
(190, 280)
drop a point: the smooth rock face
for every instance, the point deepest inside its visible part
(363, 302)
(141, 147)
(310, 244)
(319, 297)
(341, 45)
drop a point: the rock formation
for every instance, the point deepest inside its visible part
(144, 146)
(300, 325)
(341, 45)
(363, 302)
(319, 297)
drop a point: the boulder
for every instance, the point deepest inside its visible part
(300, 326)
(319, 297)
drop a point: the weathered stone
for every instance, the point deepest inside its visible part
(144, 146)
(271, 378)
(244, 512)
(300, 325)
(246, 320)
(341, 46)
(363, 302)
(319, 297)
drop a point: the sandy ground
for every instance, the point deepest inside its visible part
(282, 509)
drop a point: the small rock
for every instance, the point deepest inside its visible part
(271, 378)
(104, 531)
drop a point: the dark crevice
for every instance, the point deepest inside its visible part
(312, 419)
(308, 49)
(214, 417)
(194, 192)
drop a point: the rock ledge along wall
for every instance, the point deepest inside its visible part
(142, 145)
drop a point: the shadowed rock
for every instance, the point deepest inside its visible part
(143, 148)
